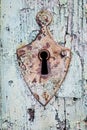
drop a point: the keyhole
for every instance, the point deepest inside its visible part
(44, 56)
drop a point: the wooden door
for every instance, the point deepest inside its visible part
(68, 108)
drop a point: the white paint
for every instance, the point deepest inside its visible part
(15, 97)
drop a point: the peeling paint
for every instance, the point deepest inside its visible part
(69, 28)
(31, 113)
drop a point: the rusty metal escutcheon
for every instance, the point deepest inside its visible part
(43, 63)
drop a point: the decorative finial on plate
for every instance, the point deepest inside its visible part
(44, 18)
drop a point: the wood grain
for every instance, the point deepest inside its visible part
(69, 29)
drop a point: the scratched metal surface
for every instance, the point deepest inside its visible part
(68, 109)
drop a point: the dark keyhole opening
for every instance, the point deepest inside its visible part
(44, 57)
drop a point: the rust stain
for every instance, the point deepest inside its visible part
(57, 60)
(29, 47)
(45, 96)
(20, 52)
(36, 96)
(39, 37)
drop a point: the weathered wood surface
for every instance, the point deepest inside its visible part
(19, 110)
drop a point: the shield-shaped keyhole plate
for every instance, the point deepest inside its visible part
(44, 63)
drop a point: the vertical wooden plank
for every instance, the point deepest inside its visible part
(19, 25)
